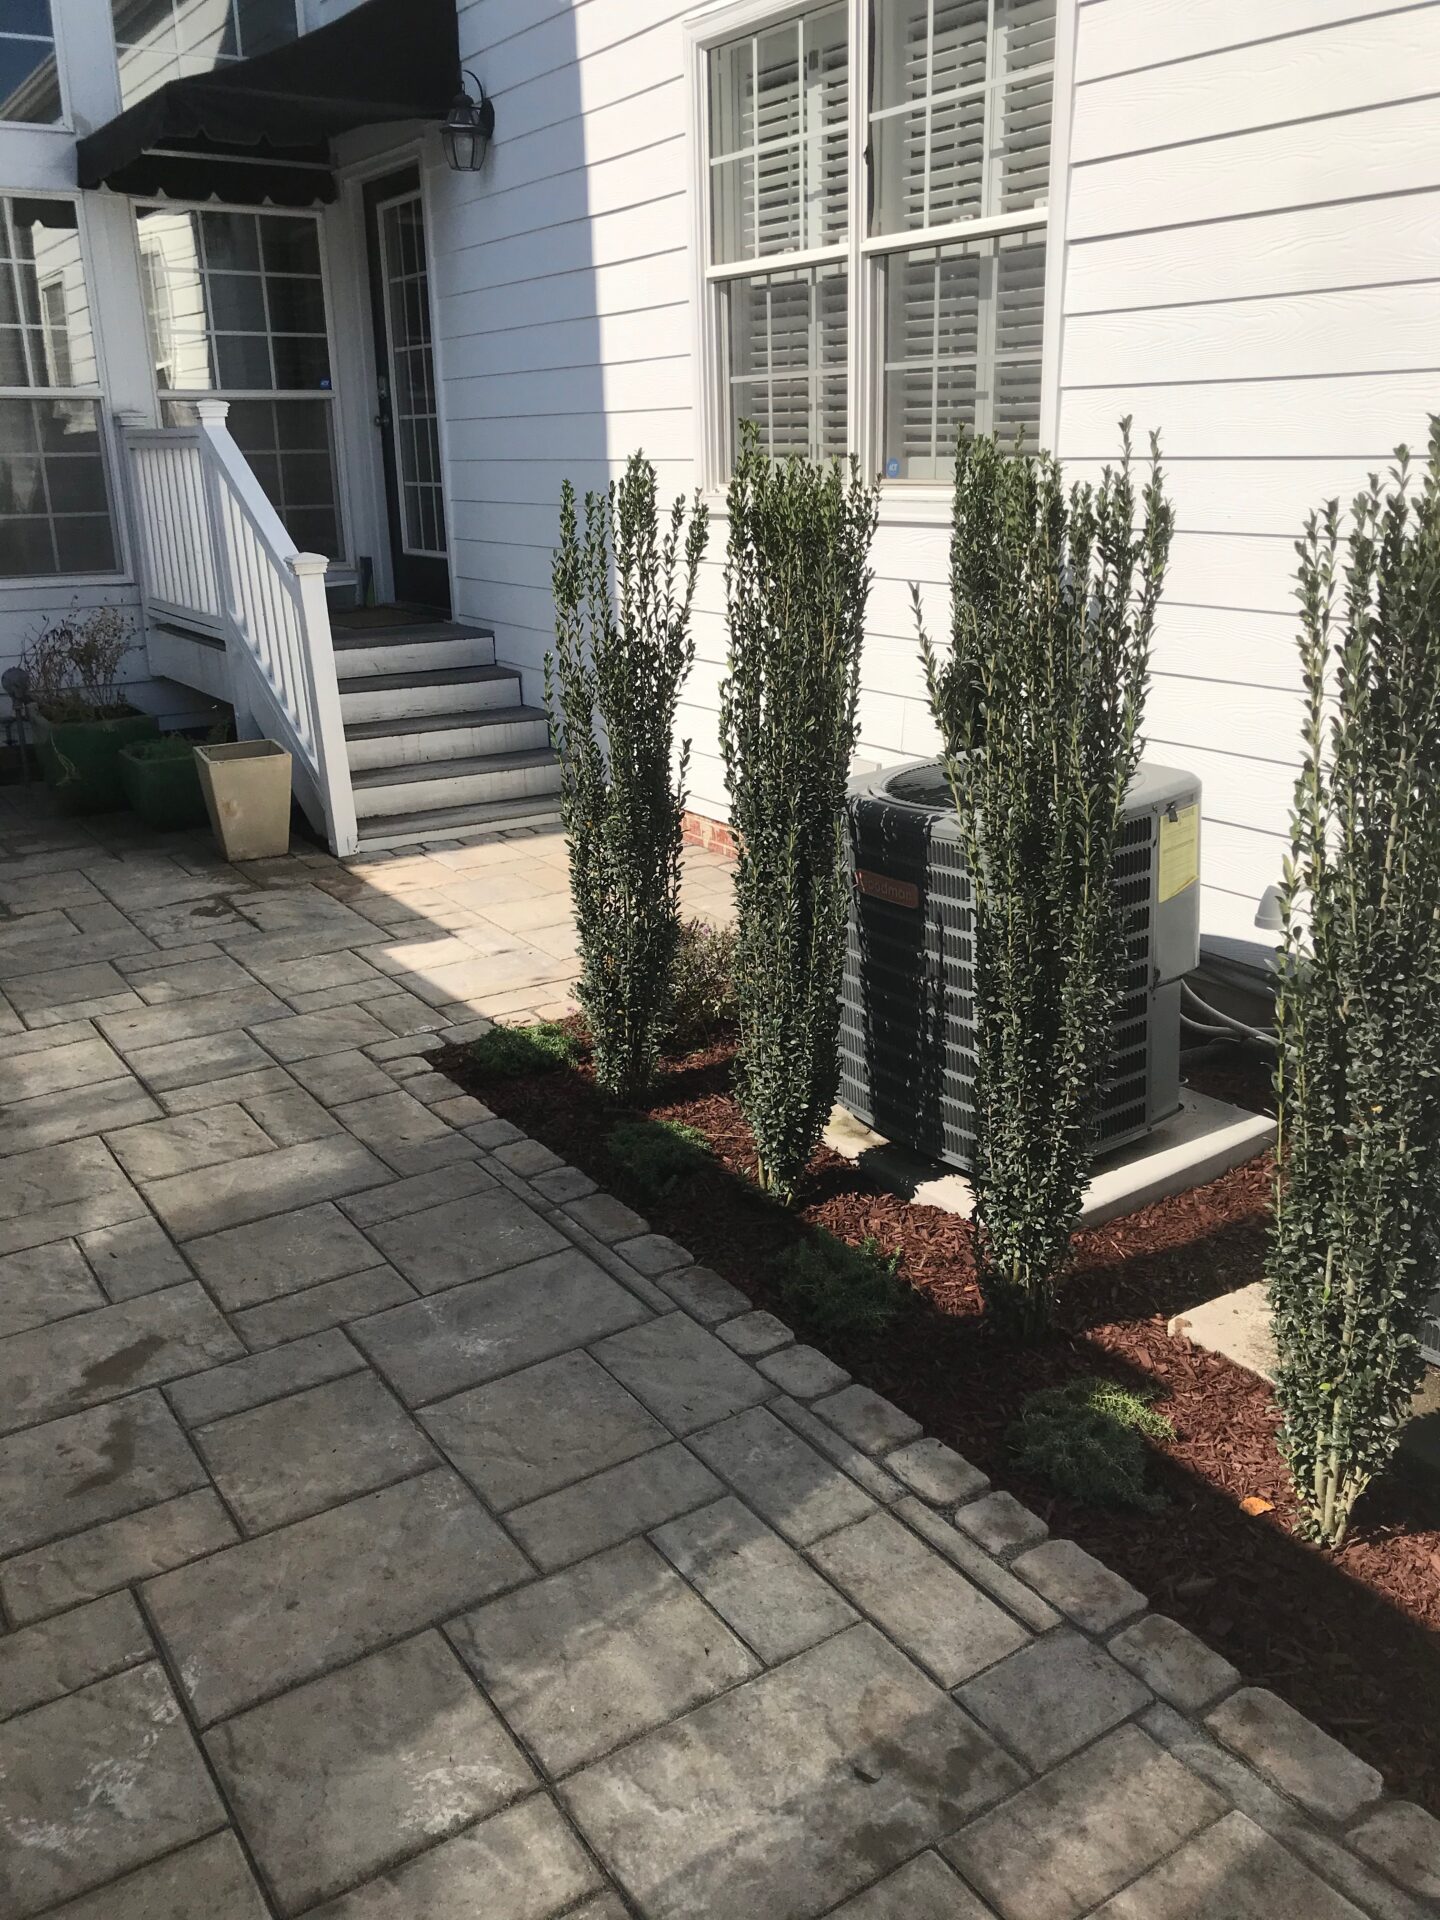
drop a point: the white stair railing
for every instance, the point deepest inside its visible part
(215, 557)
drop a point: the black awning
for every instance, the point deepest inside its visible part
(260, 129)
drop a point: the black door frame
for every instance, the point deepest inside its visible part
(417, 579)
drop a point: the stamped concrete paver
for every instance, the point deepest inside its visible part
(500, 1559)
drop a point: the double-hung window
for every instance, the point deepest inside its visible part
(56, 513)
(876, 180)
(161, 40)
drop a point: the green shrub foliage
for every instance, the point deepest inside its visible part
(623, 592)
(1084, 1440)
(1038, 697)
(1355, 1250)
(704, 983)
(514, 1053)
(838, 1288)
(796, 582)
(656, 1155)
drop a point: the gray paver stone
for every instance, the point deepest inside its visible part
(881, 1485)
(923, 1889)
(1173, 1663)
(704, 1294)
(261, 1616)
(292, 1457)
(346, 1775)
(404, 1133)
(68, 1366)
(44, 1284)
(524, 1436)
(208, 1879)
(465, 1239)
(803, 1371)
(1085, 1829)
(243, 1266)
(332, 1304)
(135, 1257)
(593, 1656)
(1405, 1841)
(962, 1552)
(95, 1784)
(191, 1204)
(606, 1217)
(187, 1142)
(936, 1472)
(792, 1792)
(264, 1376)
(752, 1334)
(653, 1254)
(56, 1657)
(115, 1553)
(1082, 1588)
(416, 1192)
(525, 1157)
(1053, 1696)
(681, 1372)
(867, 1420)
(91, 1466)
(1000, 1524)
(1294, 1755)
(1234, 1869)
(557, 1186)
(522, 1864)
(596, 1513)
(792, 1486)
(756, 1582)
(937, 1616)
(435, 1346)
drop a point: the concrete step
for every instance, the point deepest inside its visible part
(429, 647)
(454, 823)
(466, 735)
(417, 787)
(403, 696)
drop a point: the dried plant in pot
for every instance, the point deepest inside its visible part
(82, 717)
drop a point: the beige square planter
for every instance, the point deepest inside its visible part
(247, 794)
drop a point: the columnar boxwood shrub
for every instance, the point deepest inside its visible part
(796, 582)
(1038, 697)
(1355, 1250)
(623, 592)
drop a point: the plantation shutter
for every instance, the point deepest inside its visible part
(1025, 56)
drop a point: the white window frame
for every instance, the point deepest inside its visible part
(110, 452)
(902, 501)
(342, 564)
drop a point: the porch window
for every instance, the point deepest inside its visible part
(29, 83)
(55, 505)
(160, 40)
(881, 306)
(235, 308)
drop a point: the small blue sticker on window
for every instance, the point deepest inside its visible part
(325, 384)
(892, 469)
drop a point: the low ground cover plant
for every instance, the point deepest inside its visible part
(656, 1155)
(511, 1053)
(623, 589)
(839, 1288)
(1038, 692)
(1085, 1440)
(1355, 1252)
(797, 578)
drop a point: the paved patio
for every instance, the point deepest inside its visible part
(392, 1528)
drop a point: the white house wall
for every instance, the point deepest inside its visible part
(1250, 264)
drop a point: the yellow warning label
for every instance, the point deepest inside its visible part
(1179, 851)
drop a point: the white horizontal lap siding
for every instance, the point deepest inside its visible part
(1252, 268)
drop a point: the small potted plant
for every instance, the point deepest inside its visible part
(82, 718)
(162, 783)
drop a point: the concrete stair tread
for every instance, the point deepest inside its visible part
(442, 722)
(407, 772)
(442, 823)
(436, 677)
(406, 633)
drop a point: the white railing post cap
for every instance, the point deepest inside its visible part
(303, 565)
(131, 417)
(213, 412)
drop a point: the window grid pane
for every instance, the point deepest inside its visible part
(413, 406)
(788, 340)
(29, 82)
(54, 497)
(161, 40)
(235, 306)
(961, 113)
(962, 349)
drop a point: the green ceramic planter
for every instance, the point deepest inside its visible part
(161, 782)
(81, 758)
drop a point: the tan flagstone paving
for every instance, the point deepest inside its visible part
(393, 1528)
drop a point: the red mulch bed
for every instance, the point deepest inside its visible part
(1352, 1639)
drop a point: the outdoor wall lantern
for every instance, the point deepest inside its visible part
(467, 128)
